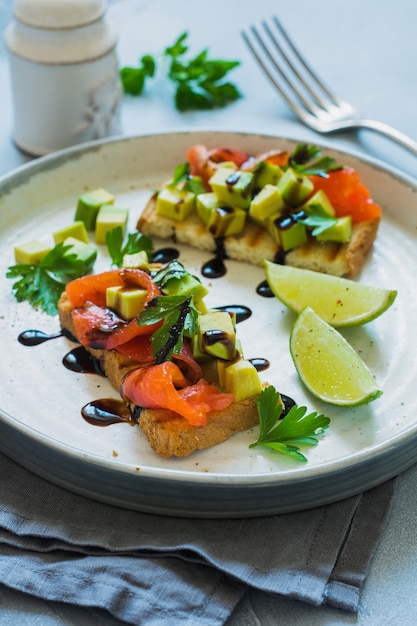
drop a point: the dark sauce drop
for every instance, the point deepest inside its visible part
(165, 255)
(241, 311)
(215, 268)
(106, 411)
(35, 337)
(80, 360)
(260, 364)
(288, 404)
(264, 290)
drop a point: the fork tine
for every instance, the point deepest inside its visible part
(287, 77)
(290, 101)
(313, 75)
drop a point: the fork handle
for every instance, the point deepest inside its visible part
(388, 131)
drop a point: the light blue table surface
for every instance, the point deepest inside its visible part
(366, 50)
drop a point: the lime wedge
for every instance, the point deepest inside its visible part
(328, 365)
(338, 301)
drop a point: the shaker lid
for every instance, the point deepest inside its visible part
(58, 14)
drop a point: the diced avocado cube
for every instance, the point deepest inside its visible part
(109, 217)
(222, 365)
(126, 302)
(232, 188)
(209, 370)
(176, 204)
(86, 252)
(268, 201)
(217, 335)
(293, 237)
(31, 253)
(205, 202)
(320, 198)
(76, 230)
(137, 260)
(295, 188)
(88, 206)
(185, 285)
(267, 174)
(242, 379)
(340, 232)
(286, 232)
(225, 221)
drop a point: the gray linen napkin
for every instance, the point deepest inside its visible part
(148, 570)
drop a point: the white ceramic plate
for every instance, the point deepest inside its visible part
(40, 423)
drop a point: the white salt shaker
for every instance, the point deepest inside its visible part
(64, 74)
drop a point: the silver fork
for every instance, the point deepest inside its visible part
(303, 90)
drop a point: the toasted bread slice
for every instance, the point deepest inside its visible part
(168, 433)
(255, 244)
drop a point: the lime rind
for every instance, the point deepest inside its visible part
(328, 365)
(341, 302)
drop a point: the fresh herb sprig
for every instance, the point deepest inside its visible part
(42, 285)
(287, 434)
(178, 316)
(199, 81)
(318, 219)
(183, 178)
(118, 247)
(306, 160)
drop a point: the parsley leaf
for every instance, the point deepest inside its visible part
(301, 161)
(42, 285)
(133, 78)
(317, 218)
(295, 429)
(182, 178)
(199, 81)
(136, 242)
(178, 316)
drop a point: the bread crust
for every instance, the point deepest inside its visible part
(255, 244)
(169, 434)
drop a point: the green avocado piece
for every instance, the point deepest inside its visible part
(89, 204)
(226, 221)
(294, 187)
(109, 217)
(76, 229)
(232, 187)
(87, 252)
(268, 201)
(175, 204)
(340, 232)
(216, 334)
(286, 233)
(187, 284)
(31, 253)
(242, 379)
(266, 174)
(127, 302)
(320, 198)
(205, 202)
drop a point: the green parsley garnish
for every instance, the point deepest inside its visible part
(198, 81)
(117, 247)
(318, 219)
(178, 316)
(302, 161)
(286, 434)
(182, 177)
(42, 285)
